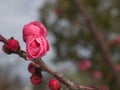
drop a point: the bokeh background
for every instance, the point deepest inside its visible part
(74, 51)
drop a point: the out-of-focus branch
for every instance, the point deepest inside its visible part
(71, 85)
(99, 39)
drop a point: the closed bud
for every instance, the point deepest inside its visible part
(13, 45)
(6, 49)
(97, 74)
(85, 65)
(32, 68)
(36, 79)
(54, 84)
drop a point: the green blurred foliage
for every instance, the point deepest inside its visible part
(66, 25)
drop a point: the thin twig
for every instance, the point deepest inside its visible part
(3, 39)
(99, 39)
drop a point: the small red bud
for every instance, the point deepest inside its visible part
(115, 42)
(58, 10)
(54, 84)
(85, 65)
(6, 49)
(105, 87)
(13, 45)
(32, 68)
(97, 74)
(36, 79)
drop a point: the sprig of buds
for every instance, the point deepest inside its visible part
(36, 47)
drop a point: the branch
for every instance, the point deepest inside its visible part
(99, 39)
(71, 85)
(3, 39)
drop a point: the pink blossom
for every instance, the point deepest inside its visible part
(85, 65)
(104, 87)
(36, 47)
(58, 10)
(97, 74)
(117, 67)
(116, 41)
(35, 28)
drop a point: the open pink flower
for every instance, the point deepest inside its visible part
(35, 28)
(36, 47)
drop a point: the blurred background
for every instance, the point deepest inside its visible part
(74, 51)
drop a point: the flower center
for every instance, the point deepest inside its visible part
(35, 48)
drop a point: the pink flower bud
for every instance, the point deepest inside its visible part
(32, 68)
(36, 47)
(58, 10)
(115, 42)
(85, 65)
(6, 49)
(54, 84)
(97, 74)
(13, 45)
(34, 28)
(104, 87)
(117, 67)
(36, 79)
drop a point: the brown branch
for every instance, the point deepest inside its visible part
(3, 39)
(71, 85)
(99, 39)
